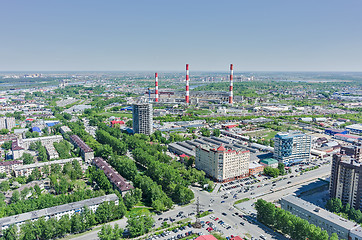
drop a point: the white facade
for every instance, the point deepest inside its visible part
(26, 170)
(25, 143)
(142, 118)
(222, 164)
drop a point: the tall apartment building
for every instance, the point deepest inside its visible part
(222, 164)
(292, 147)
(346, 180)
(142, 118)
(7, 122)
(2, 122)
(10, 123)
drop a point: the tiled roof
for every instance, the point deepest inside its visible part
(82, 145)
(112, 174)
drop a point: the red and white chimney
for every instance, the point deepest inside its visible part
(156, 87)
(187, 99)
(231, 84)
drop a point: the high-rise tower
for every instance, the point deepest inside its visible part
(187, 84)
(156, 87)
(231, 84)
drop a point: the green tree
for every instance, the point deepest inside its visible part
(4, 131)
(216, 132)
(334, 236)
(15, 197)
(7, 145)
(10, 233)
(109, 233)
(281, 169)
(27, 158)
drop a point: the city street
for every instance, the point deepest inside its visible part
(226, 211)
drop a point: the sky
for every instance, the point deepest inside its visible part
(156, 35)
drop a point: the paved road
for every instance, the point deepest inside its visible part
(213, 201)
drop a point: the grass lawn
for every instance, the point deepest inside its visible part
(241, 200)
(137, 211)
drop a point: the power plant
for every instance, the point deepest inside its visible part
(195, 97)
(231, 84)
(187, 84)
(156, 87)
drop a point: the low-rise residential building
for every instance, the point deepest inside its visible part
(26, 170)
(222, 164)
(64, 129)
(8, 166)
(51, 152)
(320, 217)
(16, 150)
(57, 212)
(114, 177)
(25, 143)
(255, 168)
(86, 152)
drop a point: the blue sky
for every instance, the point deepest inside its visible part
(154, 35)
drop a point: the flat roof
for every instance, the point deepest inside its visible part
(56, 209)
(355, 126)
(328, 216)
(40, 164)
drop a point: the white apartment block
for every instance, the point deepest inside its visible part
(142, 118)
(26, 170)
(8, 166)
(57, 211)
(2, 122)
(10, 123)
(222, 164)
(25, 143)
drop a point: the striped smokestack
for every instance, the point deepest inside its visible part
(156, 87)
(187, 84)
(231, 84)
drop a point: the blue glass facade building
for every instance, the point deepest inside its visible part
(292, 147)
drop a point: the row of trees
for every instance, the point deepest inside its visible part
(335, 205)
(42, 201)
(296, 227)
(63, 148)
(275, 172)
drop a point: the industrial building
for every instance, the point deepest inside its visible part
(355, 128)
(292, 147)
(57, 211)
(320, 217)
(346, 179)
(142, 118)
(333, 131)
(222, 164)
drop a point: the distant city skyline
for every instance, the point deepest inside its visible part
(157, 36)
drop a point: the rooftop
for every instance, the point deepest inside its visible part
(82, 145)
(57, 209)
(315, 210)
(112, 174)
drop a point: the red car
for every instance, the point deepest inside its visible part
(216, 219)
(207, 222)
